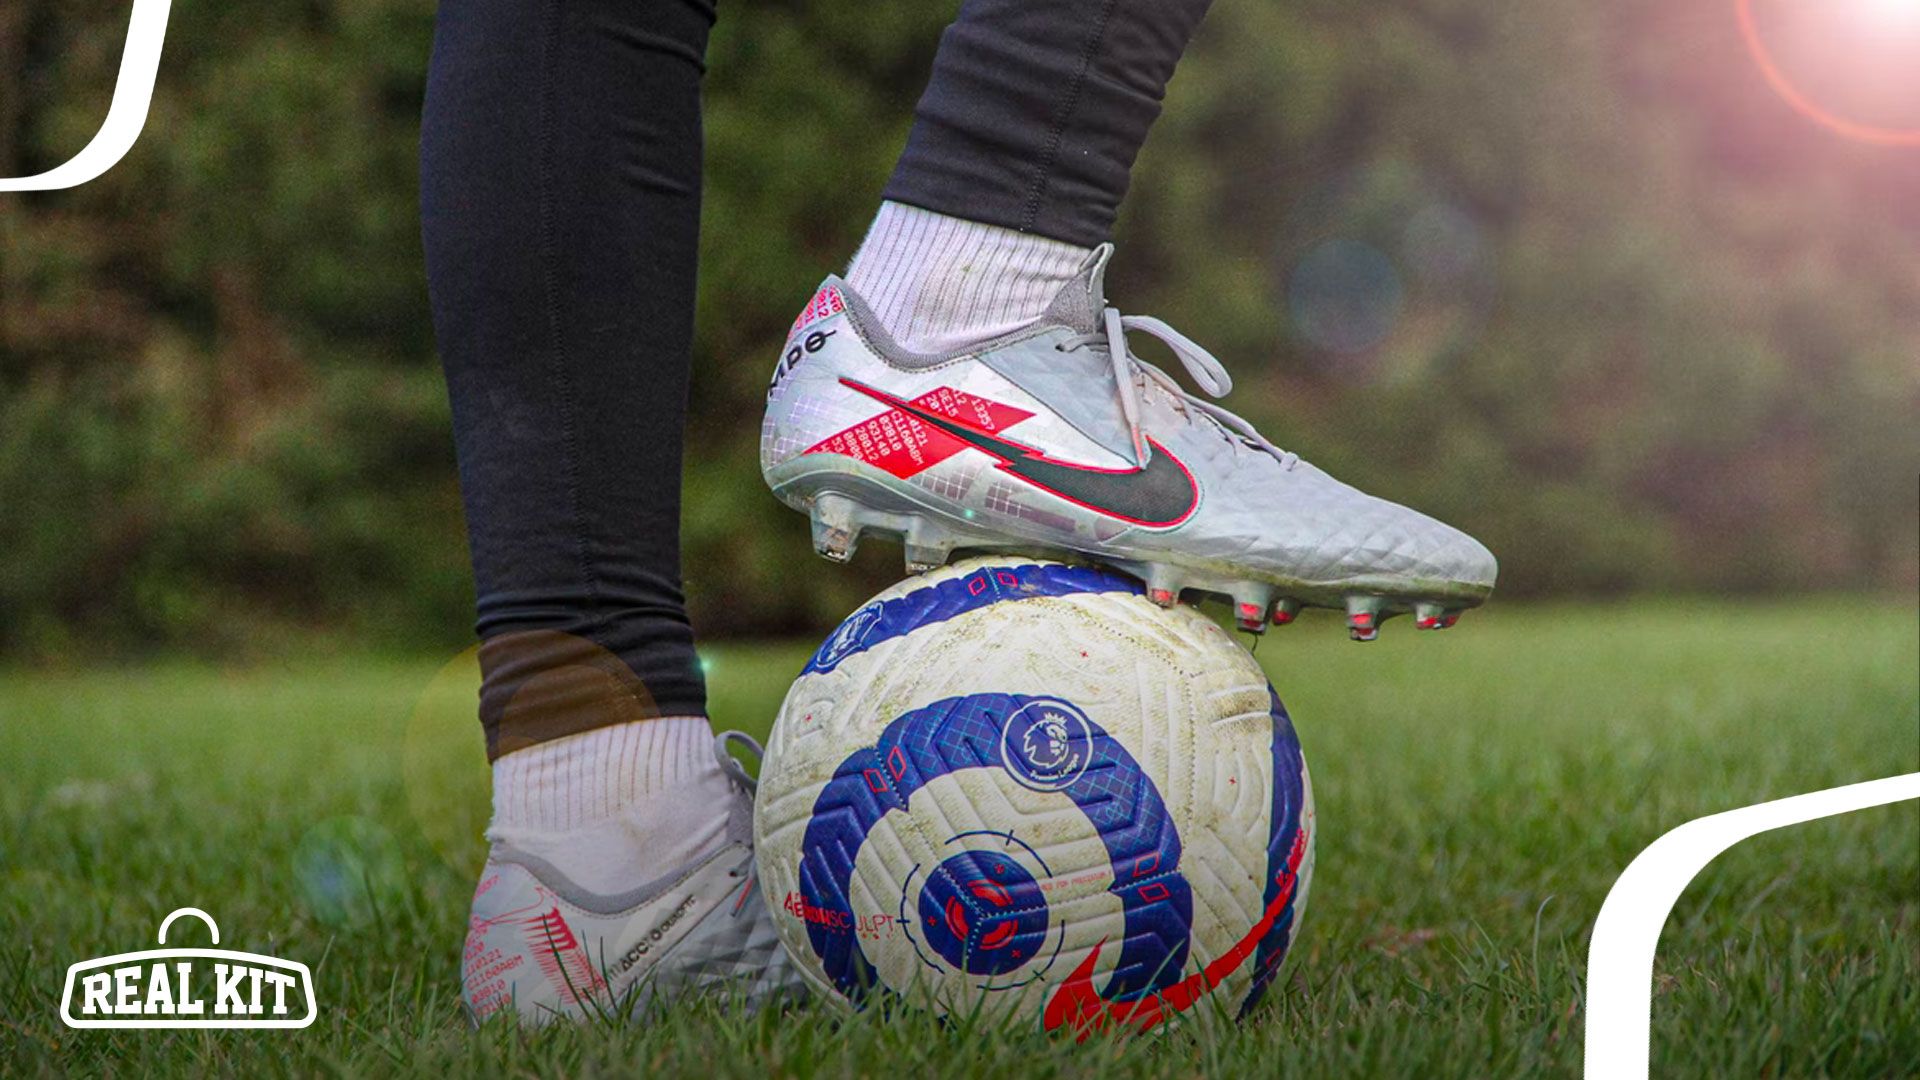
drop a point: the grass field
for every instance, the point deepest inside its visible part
(1478, 791)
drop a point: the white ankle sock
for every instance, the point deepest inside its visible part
(617, 806)
(941, 283)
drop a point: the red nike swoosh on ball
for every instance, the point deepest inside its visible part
(1077, 1006)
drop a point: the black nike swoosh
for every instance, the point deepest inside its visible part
(1161, 494)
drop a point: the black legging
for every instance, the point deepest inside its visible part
(560, 200)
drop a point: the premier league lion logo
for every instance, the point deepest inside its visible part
(1045, 745)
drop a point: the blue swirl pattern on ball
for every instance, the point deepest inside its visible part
(1289, 798)
(1120, 802)
(884, 620)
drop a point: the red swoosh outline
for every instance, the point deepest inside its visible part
(1008, 465)
(1077, 1004)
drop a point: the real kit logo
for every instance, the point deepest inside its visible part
(188, 988)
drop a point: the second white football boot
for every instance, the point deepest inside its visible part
(543, 948)
(1056, 440)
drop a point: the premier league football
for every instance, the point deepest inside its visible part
(1018, 789)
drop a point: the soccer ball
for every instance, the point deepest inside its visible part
(1018, 791)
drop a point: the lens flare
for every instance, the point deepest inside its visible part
(1893, 11)
(1894, 16)
(351, 872)
(1345, 296)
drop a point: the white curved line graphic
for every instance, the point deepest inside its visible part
(197, 913)
(1620, 957)
(132, 95)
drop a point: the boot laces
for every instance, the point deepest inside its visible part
(730, 765)
(1202, 365)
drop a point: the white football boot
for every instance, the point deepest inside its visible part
(1056, 440)
(543, 948)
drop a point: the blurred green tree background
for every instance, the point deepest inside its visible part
(1569, 275)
